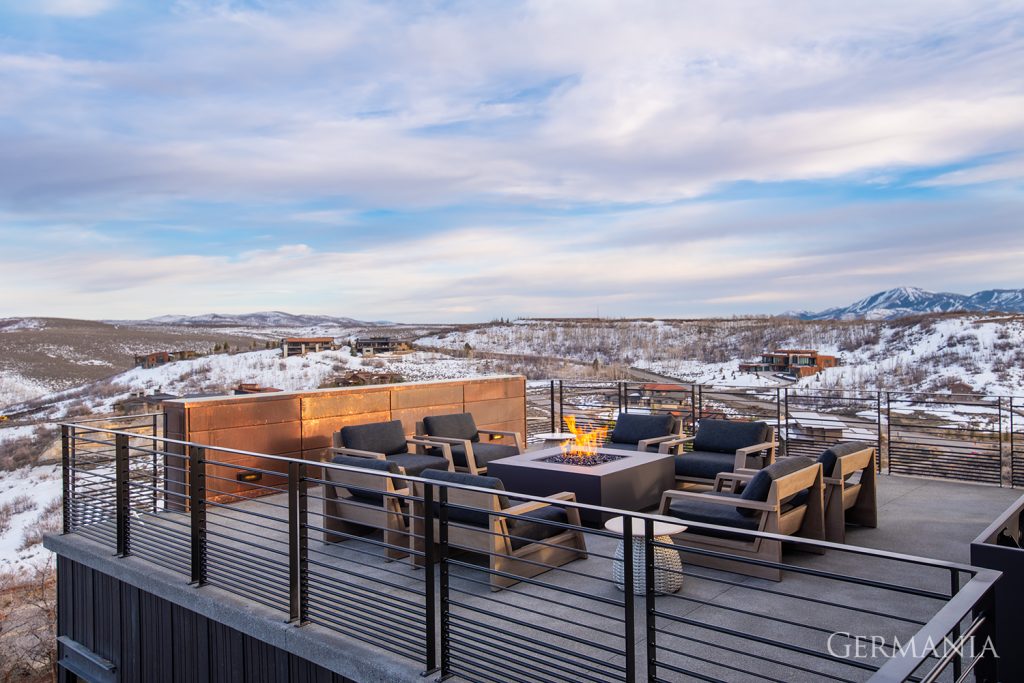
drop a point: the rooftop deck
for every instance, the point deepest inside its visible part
(369, 612)
(256, 560)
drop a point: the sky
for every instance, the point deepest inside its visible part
(462, 161)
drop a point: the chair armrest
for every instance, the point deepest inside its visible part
(833, 481)
(720, 500)
(675, 441)
(748, 450)
(523, 508)
(357, 453)
(644, 443)
(495, 432)
(731, 477)
(446, 448)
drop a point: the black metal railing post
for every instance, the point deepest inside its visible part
(958, 660)
(999, 428)
(442, 553)
(986, 670)
(302, 529)
(778, 416)
(122, 493)
(878, 429)
(553, 426)
(620, 389)
(650, 594)
(561, 405)
(65, 477)
(197, 512)
(888, 431)
(628, 586)
(785, 417)
(429, 594)
(155, 470)
(294, 564)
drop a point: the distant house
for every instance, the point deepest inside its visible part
(252, 388)
(371, 346)
(796, 362)
(158, 358)
(300, 346)
(140, 403)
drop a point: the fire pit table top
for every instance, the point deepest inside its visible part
(633, 481)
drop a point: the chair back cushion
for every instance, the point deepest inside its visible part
(457, 426)
(632, 428)
(830, 456)
(728, 436)
(472, 517)
(761, 484)
(370, 496)
(378, 437)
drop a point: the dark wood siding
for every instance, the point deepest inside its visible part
(152, 640)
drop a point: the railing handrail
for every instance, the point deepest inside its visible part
(826, 545)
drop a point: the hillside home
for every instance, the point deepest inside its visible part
(158, 358)
(371, 346)
(796, 362)
(300, 346)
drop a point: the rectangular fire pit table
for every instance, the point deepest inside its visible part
(633, 482)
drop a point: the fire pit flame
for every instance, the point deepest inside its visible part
(586, 442)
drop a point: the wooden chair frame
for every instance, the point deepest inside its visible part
(448, 442)
(755, 457)
(847, 503)
(414, 444)
(803, 521)
(355, 515)
(495, 542)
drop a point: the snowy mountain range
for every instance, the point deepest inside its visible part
(259, 319)
(904, 301)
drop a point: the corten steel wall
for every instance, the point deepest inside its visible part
(300, 424)
(152, 640)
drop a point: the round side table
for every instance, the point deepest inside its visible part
(668, 567)
(552, 439)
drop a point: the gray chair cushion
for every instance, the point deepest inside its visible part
(368, 496)
(761, 484)
(457, 426)
(709, 513)
(704, 464)
(525, 531)
(414, 463)
(483, 453)
(632, 428)
(378, 437)
(831, 455)
(470, 517)
(728, 436)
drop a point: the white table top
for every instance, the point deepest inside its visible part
(614, 525)
(557, 436)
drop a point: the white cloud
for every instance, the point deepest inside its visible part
(74, 8)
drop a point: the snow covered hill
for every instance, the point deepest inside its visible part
(262, 319)
(969, 352)
(906, 301)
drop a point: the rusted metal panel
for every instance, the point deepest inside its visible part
(318, 433)
(410, 416)
(285, 437)
(352, 401)
(245, 411)
(486, 390)
(497, 410)
(423, 395)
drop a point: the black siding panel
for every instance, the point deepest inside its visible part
(152, 640)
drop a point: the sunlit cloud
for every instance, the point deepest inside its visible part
(660, 158)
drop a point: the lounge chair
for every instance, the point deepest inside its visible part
(387, 441)
(521, 544)
(468, 452)
(849, 501)
(784, 498)
(721, 446)
(357, 503)
(639, 432)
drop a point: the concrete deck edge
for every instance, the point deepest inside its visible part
(319, 645)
